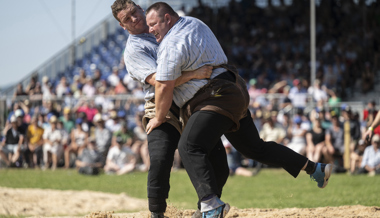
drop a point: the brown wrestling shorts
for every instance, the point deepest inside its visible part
(226, 94)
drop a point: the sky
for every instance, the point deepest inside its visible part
(32, 31)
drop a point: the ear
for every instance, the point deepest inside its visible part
(122, 26)
(168, 18)
(138, 6)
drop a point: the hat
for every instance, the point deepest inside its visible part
(97, 118)
(79, 121)
(66, 110)
(252, 82)
(297, 120)
(45, 79)
(53, 119)
(13, 119)
(113, 115)
(121, 113)
(376, 138)
(19, 113)
(26, 102)
(119, 139)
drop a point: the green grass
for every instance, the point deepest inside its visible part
(271, 188)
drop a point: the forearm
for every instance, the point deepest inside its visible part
(185, 77)
(164, 98)
(376, 122)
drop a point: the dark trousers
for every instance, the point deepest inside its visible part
(201, 135)
(199, 138)
(162, 143)
(248, 142)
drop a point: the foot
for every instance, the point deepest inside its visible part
(157, 215)
(322, 174)
(197, 214)
(219, 212)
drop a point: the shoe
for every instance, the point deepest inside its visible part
(219, 212)
(157, 215)
(322, 174)
(197, 214)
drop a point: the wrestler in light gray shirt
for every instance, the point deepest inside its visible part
(188, 45)
(140, 57)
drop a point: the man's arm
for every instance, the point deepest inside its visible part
(201, 73)
(164, 98)
(368, 135)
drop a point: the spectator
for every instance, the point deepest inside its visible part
(82, 77)
(298, 94)
(272, 131)
(89, 160)
(89, 89)
(297, 133)
(97, 78)
(357, 156)
(334, 142)
(130, 83)
(68, 124)
(120, 159)
(140, 145)
(28, 110)
(315, 139)
(32, 85)
(124, 134)
(86, 107)
(114, 79)
(34, 141)
(79, 139)
(371, 158)
(19, 91)
(234, 160)
(62, 88)
(318, 93)
(52, 148)
(11, 144)
(113, 124)
(102, 137)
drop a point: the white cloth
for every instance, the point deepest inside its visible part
(120, 156)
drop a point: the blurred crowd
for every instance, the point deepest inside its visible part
(94, 123)
(272, 44)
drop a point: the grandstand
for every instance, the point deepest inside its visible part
(268, 41)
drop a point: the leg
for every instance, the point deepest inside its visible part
(248, 142)
(200, 136)
(318, 152)
(145, 155)
(5, 158)
(162, 143)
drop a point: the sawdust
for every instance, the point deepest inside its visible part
(44, 203)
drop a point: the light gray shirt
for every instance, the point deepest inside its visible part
(140, 57)
(189, 45)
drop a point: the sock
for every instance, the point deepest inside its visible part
(210, 202)
(310, 167)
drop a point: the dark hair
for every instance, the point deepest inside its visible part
(120, 5)
(162, 8)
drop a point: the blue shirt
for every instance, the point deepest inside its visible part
(188, 45)
(140, 57)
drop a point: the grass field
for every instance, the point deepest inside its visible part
(271, 188)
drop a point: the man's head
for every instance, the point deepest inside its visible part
(130, 16)
(160, 18)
